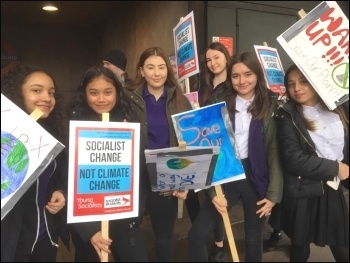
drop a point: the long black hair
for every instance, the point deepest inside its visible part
(80, 110)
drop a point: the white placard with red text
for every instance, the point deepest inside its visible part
(103, 171)
(319, 45)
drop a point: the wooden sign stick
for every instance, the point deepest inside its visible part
(301, 13)
(228, 227)
(180, 202)
(36, 114)
(105, 223)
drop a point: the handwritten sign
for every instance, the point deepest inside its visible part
(103, 170)
(273, 69)
(186, 48)
(25, 153)
(211, 126)
(319, 45)
(181, 169)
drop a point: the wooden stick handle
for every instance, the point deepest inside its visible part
(180, 202)
(187, 85)
(228, 228)
(104, 232)
(301, 13)
(36, 114)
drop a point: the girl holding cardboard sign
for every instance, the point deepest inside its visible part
(30, 231)
(314, 146)
(251, 106)
(215, 67)
(156, 96)
(98, 92)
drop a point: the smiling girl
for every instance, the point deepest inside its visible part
(99, 91)
(251, 106)
(155, 97)
(30, 231)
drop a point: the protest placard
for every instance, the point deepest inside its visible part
(272, 67)
(211, 126)
(186, 47)
(319, 45)
(103, 170)
(25, 153)
(180, 169)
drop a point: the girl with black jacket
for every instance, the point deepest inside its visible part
(30, 231)
(99, 92)
(314, 147)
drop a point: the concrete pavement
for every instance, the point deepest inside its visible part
(280, 254)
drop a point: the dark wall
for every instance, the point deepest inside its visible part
(251, 23)
(68, 50)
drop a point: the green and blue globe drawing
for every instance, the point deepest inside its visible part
(14, 163)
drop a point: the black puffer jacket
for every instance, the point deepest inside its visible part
(301, 160)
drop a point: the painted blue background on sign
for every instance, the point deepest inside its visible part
(105, 134)
(206, 127)
(94, 173)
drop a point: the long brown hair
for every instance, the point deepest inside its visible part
(310, 125)
(208, 75)
(260, 106)
(170, 81)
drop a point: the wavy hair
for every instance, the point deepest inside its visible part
(260, 106)
(80, 110)
(11, 86)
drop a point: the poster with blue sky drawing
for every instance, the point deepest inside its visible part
(25, 153)
(211, 126)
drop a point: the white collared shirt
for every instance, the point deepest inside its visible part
(242, 123)
(329, 134)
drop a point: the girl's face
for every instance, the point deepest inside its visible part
(39, 92)
(101, 95)
(216, 61)
(300, 90)
(243, 80)
(155, 72)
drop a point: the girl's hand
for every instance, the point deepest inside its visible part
(220, 204)
(266, 208)
(181, 194)
(56, 203)
(100, 244)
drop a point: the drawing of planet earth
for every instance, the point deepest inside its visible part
(14, 163)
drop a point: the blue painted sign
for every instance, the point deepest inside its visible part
(211, 126)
